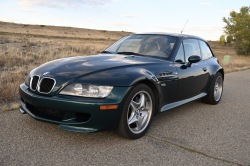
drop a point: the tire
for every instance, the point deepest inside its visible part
(215, 93)
(137, 113)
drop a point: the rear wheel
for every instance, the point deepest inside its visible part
(216, 90)
(137, 113)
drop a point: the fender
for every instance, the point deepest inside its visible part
(213, 71)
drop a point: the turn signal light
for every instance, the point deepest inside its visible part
(108, 107)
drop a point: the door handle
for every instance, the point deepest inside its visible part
(204, 69)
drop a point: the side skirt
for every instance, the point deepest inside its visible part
(178, 103)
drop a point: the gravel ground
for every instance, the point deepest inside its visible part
(192, 134)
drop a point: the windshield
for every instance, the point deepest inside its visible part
(146, 45)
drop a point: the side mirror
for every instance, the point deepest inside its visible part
(193, 59)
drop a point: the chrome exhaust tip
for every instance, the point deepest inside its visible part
(22, 111)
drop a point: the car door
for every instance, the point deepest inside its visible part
(208, 59)
(193, 79)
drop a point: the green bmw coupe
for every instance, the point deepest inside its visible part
(123, 87)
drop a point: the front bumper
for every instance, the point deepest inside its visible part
(76, 113)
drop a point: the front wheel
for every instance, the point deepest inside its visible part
(216, 90)
(137, 113)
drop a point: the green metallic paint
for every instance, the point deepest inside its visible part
(123, 72)
(100, 119)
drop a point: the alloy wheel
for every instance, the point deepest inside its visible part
(139, 112)
(218, 88)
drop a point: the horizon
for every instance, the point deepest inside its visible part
(205, 17)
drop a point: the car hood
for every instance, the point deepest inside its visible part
(67, 69)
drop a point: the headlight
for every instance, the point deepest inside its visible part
(87, 90)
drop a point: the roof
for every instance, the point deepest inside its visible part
(180, 35)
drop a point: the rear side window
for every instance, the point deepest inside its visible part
(180, 55)
(205, 51)
(191, 47)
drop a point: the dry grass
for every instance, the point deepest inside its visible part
(55, 31)
(17, 59)
(22, 51)
(238, 62)
(25, 47)
(10, 106)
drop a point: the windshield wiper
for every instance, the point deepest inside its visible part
(129, 53)
(106, 52)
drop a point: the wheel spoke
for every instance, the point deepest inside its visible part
(140, 103)
(142, 100)
(143, 113)
(135, 104)
(133, 111)
(142, 119)
(139, 123)
(216, 96)
(144, 116)
(133, 120)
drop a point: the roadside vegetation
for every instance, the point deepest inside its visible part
(236, 40)
(19, 55)
(238, 62)
(237, 31)
(24, 47)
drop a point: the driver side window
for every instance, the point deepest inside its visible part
(180, 55)
(191, 47)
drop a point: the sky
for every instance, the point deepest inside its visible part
(204, 17)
